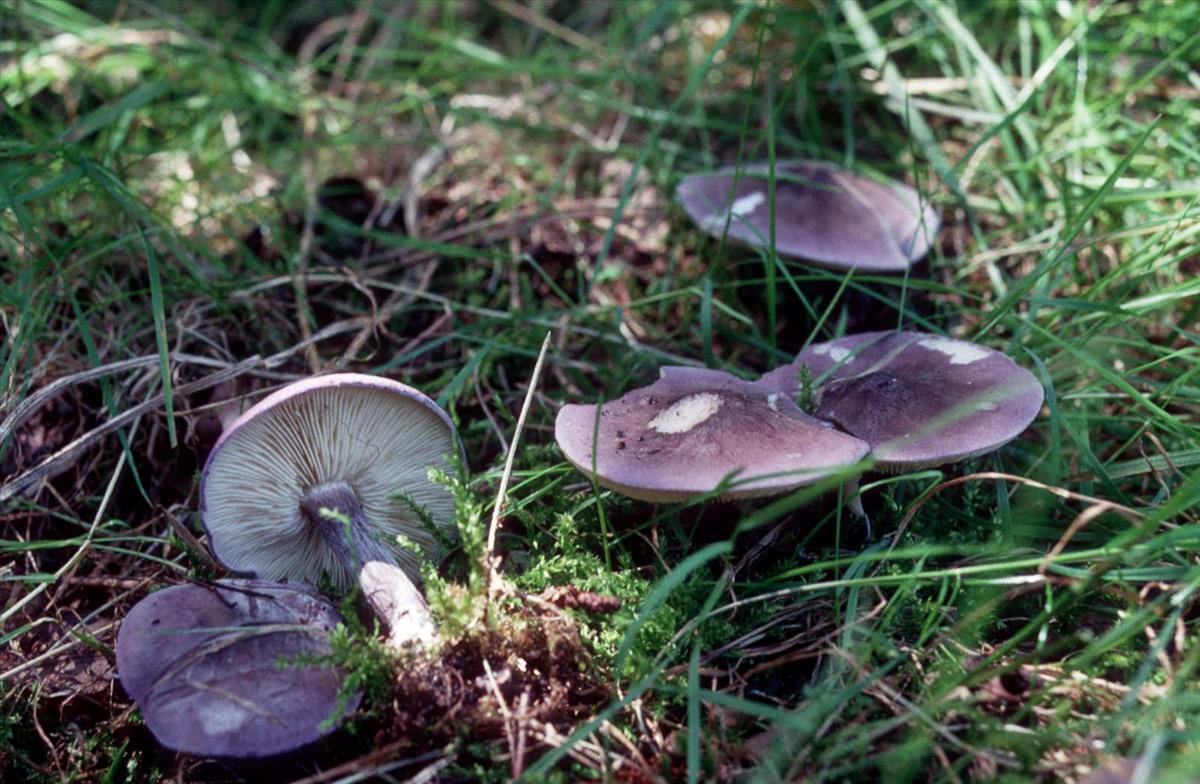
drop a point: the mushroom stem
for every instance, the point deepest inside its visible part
(398, 604)
(349, 537)
(854, 501)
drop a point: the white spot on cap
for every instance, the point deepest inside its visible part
(960, 352)
(740, 208)
(836, 353)
(222, 718)
(748, 203)
(773, 401)
(986, 405)
(686, 413)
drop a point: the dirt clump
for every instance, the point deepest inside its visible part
(529, 669)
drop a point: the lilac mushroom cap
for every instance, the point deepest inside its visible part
(203, 664)
(305, 483)
(692, 430)
(918, 399)
(823, 213)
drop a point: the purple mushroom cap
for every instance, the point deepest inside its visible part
(306, 482)
(696, 430)
(823, 213)
(918, 399)
(205, 663)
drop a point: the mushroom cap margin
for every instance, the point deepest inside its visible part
(696, 444)
(836, 219)
(273, 403)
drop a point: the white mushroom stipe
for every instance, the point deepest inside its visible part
(853, 496)
(686, 413)
(959, 351)
(398, 604)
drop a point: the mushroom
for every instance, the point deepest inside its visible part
(695, 431)
(226, 669)
(398, 604)
(917, 399)
(823, 213)
(323, 475)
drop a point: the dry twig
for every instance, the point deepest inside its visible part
(501, 494)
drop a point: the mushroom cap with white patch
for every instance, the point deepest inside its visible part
(918, 399)
(202, 663)
(823, 214)
(694, 431)
(373, 437)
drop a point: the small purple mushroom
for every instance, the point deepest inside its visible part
(305, 483)
(918, 399)
(220, 670)
(823, 213)
(694, 431)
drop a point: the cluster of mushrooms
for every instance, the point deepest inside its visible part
(906, 399)
(328, 480)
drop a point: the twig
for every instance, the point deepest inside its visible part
(583, 209)
(66, 456)
(29, 405)
(487, 413)
(191, 541)
(85, 547)
(383, 36)
(1082, 519)
(437, 326)
(299, 286)
(461, 307)
(509, 724)
(582, 751)
(116, 583)
(347, 769)
(518, 763)
(531, 17)
(1132, 515)
(62, 646)
(308, 170)
(354, 30)
(37, 726)
(410, 200)
(370, 325)
(498, 508)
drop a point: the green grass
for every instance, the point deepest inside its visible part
(969, 639)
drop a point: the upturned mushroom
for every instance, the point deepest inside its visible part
(322, 477)
(226, 669)
(696, 431)
(917, 399)
(823, 214)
